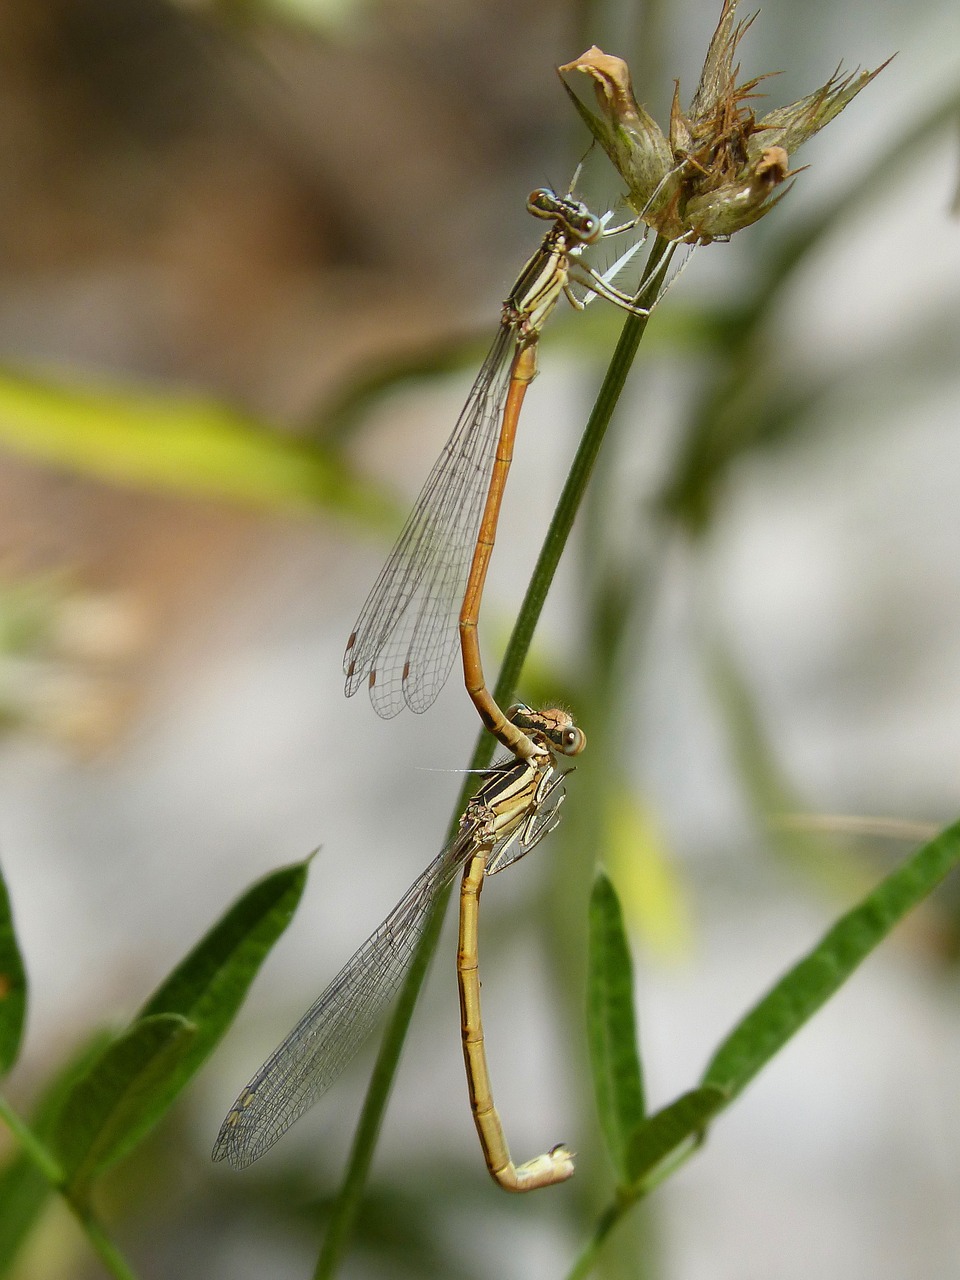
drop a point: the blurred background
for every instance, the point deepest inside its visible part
(252, 253)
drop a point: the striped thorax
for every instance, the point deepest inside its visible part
(542, 280)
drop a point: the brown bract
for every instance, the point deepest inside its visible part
(720, 166)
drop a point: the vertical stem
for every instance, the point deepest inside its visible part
(49, 1166)
(347, 1204)
(579, 475)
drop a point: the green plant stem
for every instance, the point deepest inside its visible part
(627, 1197)
(588, 1256)
(347, 1204)
(576, 483)
(110, 1255)
(31, 1144)
(343, 1215)
(49, 1166)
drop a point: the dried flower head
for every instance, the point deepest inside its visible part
(720, 166)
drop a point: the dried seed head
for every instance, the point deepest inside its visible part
(720, 167)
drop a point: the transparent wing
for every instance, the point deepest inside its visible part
(333, 1029)
(405, 639)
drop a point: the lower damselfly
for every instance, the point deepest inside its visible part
(515, 806)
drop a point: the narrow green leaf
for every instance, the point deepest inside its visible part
(136, 1078)
(23, 1189)
(13, 986)
(663, 1133)
(177, 442)
(611, 1025)
(112, 1106)
(209, 984)
(809, 984)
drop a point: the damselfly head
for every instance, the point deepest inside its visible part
(553, 726)
(572, 215)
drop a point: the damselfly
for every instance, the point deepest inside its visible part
(404, 641)
(516, 805)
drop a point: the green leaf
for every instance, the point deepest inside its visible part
(136, 1078)
(611, 1025)
(13, 986)
(182, 443)
(809, 984)
(115, 1102)
(24, 1190)
(209, 984)
(663, 1133)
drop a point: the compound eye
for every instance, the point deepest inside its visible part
(518, 709)
(573, 741)
(542, 203)
(591, 229)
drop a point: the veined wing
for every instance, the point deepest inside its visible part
(332, 1030)
(405, 639)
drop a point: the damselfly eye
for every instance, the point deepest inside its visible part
(590, 228)
(574, 740)
(583, 224)
(542, 203)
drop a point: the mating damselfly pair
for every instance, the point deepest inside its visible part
(402, 647)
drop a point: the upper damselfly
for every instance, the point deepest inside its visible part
(404, 641)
